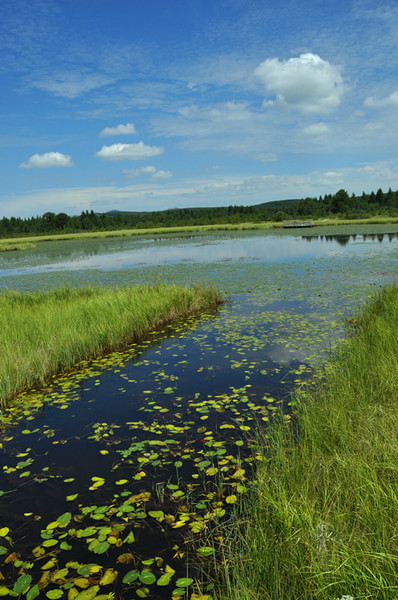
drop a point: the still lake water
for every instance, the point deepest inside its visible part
(129, 464)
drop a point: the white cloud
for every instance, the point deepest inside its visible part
(118, 130)
(307, 83)
(391, 100)
(149, 170)
(316, 129)
(49, 159)
(129, 151)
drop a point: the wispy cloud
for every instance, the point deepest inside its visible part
(47, 160)
(390, 100)
(316, 129)
(226, 126)
(25, 28)
(224, 112)
(72, 84)
(266, 157)
(129, 151)
(121, 129)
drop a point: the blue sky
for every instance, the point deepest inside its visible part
(154, 104)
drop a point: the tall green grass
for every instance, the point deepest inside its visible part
(46, 332)
(9, 246)
(323, 520)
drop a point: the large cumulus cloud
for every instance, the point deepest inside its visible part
(307, 83)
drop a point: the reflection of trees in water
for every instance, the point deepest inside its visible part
(343, 239)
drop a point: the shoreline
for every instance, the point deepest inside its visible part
(248, 226)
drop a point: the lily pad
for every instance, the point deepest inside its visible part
(147, 577)
(22, 583)
(33, 592)
(88, 594)
(165, 579)
(54, 594)
(131, 576)
(184, 582)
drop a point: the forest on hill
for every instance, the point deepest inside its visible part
(331, 205)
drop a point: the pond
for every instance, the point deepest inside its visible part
(115, 479)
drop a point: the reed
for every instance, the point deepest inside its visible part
(322, 522)
(44, 333)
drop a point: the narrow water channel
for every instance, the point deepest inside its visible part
(115, 479)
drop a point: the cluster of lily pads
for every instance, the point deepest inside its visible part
(104, 530)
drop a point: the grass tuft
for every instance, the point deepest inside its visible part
(44, 333)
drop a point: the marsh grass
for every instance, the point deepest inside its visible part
(44, 333)
(375, 220)
(322, 522)
(117, 233)
(9, 246)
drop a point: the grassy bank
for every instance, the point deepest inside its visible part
(47, 332)
(322, 523)
(141, 232)
(249, 226)
(12, 246)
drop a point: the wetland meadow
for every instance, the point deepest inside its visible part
(119, 476)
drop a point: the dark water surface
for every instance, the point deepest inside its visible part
(113, 480)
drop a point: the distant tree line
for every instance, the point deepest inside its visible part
(331, 205)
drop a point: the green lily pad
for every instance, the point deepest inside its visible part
(64, 519)
(183, 582)
(101, 547)
(164, 579)
(71, 497)
(49, 543)
(205, 550)
(54, 594)
(147, 577)
(86, 570)
(88, 594)
(22, 583)
(33, 592)
(131, 576)
(156, 514)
